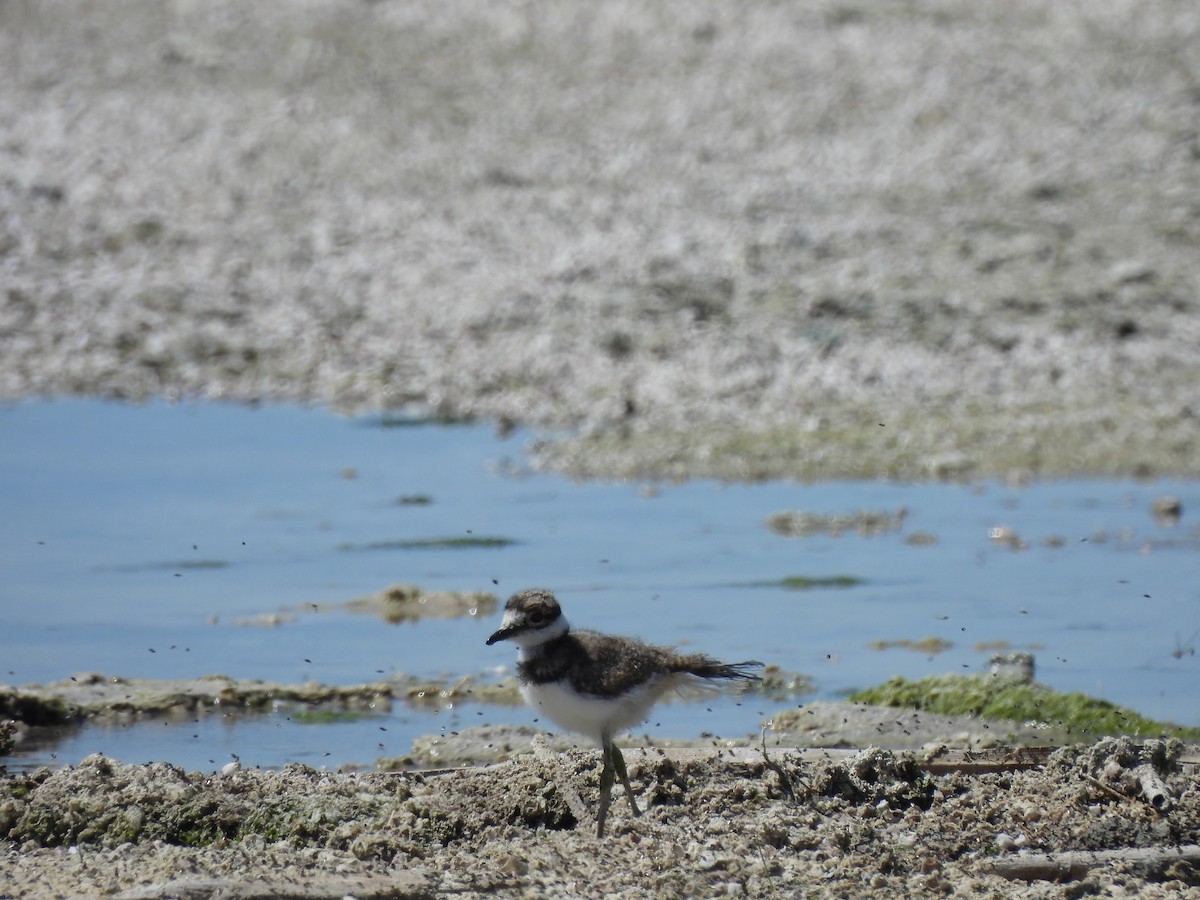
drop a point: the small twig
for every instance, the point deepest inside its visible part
(1112, 792)
(1073, 864)
(1095, 782)
(785, 780)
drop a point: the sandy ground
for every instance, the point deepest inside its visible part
(1114, 819)
(929, 239)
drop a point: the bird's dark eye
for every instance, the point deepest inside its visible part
(537, 617)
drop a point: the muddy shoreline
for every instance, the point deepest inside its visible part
(508, 810)
(1106, 818)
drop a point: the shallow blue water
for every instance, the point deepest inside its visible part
(135, 536)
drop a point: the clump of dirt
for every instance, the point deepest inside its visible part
(872, 823)
(91, 695)
(409, 603)
(864, 523)
(878, 776)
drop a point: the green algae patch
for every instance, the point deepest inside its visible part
(413, 500)
(864, 523)
(1018, 701)
(929, 644)
(329, 716)
(32, 709)
(805, 582)
(169, 566)
(469, 542)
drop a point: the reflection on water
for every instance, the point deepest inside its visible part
(174, 541)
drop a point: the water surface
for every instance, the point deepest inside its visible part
(137, 541)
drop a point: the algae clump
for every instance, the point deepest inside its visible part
(1009, 698)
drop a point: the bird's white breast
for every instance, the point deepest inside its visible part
(595, 716)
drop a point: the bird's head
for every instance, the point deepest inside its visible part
(531, 617)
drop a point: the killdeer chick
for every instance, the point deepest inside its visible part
(598, 684)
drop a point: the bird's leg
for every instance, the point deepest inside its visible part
(606, 783)
(619, 765)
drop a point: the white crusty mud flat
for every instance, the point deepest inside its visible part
(708, 239)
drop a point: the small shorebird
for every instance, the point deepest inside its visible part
(598, 684)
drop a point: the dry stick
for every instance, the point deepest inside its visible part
(784, 780)
(1095, 782)
(1074, 864)
(1111, 791)
(541, 750)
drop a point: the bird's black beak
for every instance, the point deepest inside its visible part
(501, 635)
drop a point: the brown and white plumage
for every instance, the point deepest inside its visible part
(598, 684)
